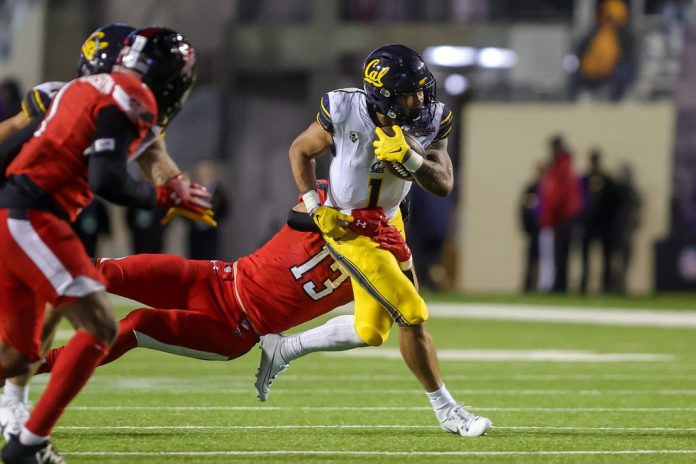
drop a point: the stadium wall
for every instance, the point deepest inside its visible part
(501, 144)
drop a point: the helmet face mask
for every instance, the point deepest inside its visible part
(166, 62)
(390, 74)
(101, 49)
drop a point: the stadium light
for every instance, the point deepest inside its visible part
(496, 58)
(456, 84)
(450, 56)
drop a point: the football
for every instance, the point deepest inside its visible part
(397, 169)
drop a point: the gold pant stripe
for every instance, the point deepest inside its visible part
(360, 278)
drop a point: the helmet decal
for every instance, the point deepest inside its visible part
(93, 44)
(373, 75)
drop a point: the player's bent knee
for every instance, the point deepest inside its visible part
(92, 313)
(415, 313)
(371, 336)
(13, 362)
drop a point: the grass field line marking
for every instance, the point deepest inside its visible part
(120, 387)
(564, 314)
(378, 453)
(363, 408)
(512, 355)
(359, 426)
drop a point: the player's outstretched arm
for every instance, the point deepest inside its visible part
(156, 163)
(11, 125)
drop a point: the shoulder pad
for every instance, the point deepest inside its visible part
(38, 99)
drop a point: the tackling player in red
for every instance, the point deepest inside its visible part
(290, 280)
(93, 127)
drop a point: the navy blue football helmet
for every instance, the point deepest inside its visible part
(167, 63)
(99, 52)
(395, 70)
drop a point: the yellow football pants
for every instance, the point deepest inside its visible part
(383, 294)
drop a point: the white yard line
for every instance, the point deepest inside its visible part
(512, 355)
(378, 453)
(358, 426)
(365, 408)
(564, 314)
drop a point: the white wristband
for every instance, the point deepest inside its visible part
(311, 201)
(407, 265)
(414, 162)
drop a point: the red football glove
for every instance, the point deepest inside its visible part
(390, 239)
(181, 193)
(367, 221)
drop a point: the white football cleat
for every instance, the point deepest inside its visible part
(272, 364)
(463, 423)
(13, 416)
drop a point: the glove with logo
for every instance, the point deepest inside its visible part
(331, 221)
(185, 198)
(390, 239)
(391, 148)
(207, 216)
(367, 221)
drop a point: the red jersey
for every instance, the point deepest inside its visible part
(559, 191)
(55, 158)
(290, 280)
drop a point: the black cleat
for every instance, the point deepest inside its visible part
(16, 453)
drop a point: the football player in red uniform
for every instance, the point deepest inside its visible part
(98, 54)
(290, 280)
(93, 127)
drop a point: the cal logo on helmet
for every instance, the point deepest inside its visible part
(93, 44)
(373, 73)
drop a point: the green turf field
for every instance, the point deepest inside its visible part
(152, 407)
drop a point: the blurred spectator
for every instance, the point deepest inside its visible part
(629, 204)
(10, 99)
(146, 232)
(607, 54)
(203, 240)
(91, 224)
(598, 220)
(529, 219)
(560, 198)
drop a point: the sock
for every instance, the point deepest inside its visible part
(337, 334)
(72, 370)
(19, 393)
(441, 401)
(125, 342)
(27, 437)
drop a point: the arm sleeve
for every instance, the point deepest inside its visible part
(301, 221)
(108, 175)
(10, 147)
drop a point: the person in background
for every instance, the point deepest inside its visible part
(627, 221)
(529, 220)
(146, 230)
(91, 224)
(559, 194)
(203, 239)
(606, 56)
(10, 99)
(598, 220)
